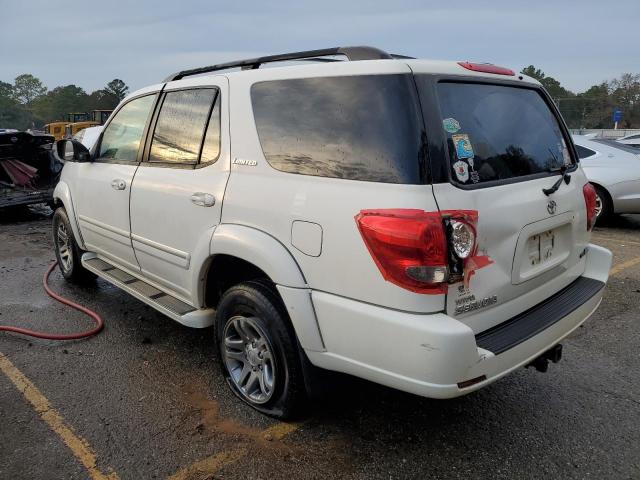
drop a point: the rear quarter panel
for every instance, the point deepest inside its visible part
(270, 200)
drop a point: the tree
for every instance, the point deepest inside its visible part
(60, 101)
(118, 88)
(103, 100)
(6, 90)
(549, 83)
(27, 88)
(625, 93)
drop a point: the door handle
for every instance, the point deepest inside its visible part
(203, 199)
(118, 184)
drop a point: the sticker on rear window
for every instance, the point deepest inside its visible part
(463, 145)
(451, 125)
(462, 171)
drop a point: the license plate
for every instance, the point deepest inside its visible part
(540, 247)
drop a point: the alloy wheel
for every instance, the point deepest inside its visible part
(249, 358)
(599, 206)
(64, 247)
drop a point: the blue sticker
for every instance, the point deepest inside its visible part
(451, 125)
(463, 145)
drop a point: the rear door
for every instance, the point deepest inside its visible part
(502, 144)
(176, 198)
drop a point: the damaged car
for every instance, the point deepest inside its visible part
(29, 171)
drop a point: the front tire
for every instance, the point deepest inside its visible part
(67, 251)
(258, 350)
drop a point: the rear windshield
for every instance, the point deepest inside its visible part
(498, 133)
(366, 127)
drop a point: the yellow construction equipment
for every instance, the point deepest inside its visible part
(56, 129)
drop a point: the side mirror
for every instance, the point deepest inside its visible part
(72, 151)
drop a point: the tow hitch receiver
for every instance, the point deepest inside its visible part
(541, 363)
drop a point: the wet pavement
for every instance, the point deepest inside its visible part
(144, 399)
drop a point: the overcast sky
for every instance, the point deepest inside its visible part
(580, 43)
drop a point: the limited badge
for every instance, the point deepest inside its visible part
(462, 171)
(463, 145)
(451, 125)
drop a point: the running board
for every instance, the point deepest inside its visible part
(163, 302)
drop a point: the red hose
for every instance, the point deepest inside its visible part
(50, 336)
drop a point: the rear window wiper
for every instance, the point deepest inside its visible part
(564, 176)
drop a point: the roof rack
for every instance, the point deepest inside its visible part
(352, 53)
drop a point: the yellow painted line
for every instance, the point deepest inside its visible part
(624, 265)
(280, 430)
(212, 464)
(209, 465)
(78, 446)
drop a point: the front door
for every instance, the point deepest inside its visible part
(176, 198)
(102, 189)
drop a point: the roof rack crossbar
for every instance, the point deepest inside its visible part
(352, 53)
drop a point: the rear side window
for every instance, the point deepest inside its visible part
(179, 131)
(499, 133)
(584, 152)
(358, 127)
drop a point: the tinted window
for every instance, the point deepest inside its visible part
(584, 152)
(211, 146)
(178, 134)
(121, 137)
(359, 127)
(499, 133)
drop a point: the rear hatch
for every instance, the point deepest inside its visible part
(494, 147)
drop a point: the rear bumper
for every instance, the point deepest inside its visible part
(430, 355)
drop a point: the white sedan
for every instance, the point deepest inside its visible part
(632, 140)
(614, 170)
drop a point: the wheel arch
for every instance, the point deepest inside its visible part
(240, 253)
(601, 187)
(62, 198)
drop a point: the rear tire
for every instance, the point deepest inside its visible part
(258, 350)
(67, 251)
(604, 205)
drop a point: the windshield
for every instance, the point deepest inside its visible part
(497, 133)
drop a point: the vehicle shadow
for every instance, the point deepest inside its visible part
(619, 222)
(24, 213)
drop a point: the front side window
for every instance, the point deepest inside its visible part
(121, 138)
(180, 128)
(499, 133)
(364, 127)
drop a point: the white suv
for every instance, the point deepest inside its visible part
(421, 224)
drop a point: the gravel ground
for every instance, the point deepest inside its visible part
(147, 397)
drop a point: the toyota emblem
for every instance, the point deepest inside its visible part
(551, 207)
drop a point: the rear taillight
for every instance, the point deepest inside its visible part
(590, 202)
(487, 68)
(417, 250)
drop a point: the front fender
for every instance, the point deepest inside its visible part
(62, 194)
